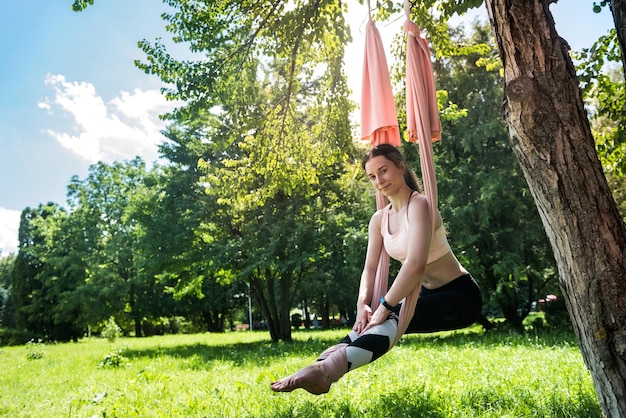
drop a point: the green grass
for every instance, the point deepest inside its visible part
(457, 374)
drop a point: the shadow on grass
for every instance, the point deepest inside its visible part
(475, 336)
(260, 353)
(263, 353)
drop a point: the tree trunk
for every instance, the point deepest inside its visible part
(136, 318)
(270, 315)
(485, 322)
(512, 317)
(325, 314)
(275, 310)
(138, 332)
(285, 306)
(213, 320)
(551, 137)
(307, 316)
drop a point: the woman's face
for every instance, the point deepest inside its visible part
(384, 175)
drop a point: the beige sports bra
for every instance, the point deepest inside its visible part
(396, 244)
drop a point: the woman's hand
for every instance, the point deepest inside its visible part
(378, 317)
(363, 315)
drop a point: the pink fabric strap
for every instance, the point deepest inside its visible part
(337, 363)
(382, 269)
(331, 350)
(424, 127)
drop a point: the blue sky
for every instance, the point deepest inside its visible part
(70, 94)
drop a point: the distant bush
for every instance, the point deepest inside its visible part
(35, 349)
(15, 337)
(111, 331)
(114, 359)
(165, 325)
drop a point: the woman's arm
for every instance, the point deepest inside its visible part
(368, 276)
(412, 271)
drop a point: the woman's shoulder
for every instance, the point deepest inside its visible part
(418, 199)
(419, 206)
(378, 216)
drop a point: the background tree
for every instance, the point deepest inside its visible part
(40, 284)
(101, 205)
(272, 81)
(618, 9)
(183, 224)
(67, 270)
(7, 311)
(343, 240)
(602, 85)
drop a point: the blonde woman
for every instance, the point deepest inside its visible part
(449, 298)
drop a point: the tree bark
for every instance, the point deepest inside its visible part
(138, 332)
(265, 305)
(285, 285)
(552, 140)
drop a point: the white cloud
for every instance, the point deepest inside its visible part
(121, 129)
(9, 225)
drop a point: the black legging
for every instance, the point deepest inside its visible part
(452, 306)
(455, 305)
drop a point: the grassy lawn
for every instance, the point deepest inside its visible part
(456, 374)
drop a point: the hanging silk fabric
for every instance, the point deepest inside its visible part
(379, 123)
(379, 120)
(423, 126)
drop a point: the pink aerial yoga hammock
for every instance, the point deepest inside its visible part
(423, 126)
(379, 124)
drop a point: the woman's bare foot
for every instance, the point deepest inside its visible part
(314, 379)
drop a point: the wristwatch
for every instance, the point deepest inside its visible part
(385, 304)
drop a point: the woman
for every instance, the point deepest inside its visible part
(449, 297)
